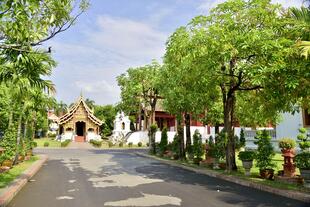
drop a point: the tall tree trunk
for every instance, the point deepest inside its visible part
(152, 119)
(25, 129)
(217, 129)
(188, 130)
(33, 124)
(18, 138)
(181, 138)
(10, 119)
(228, 128)
(139, 120)
(145, 120)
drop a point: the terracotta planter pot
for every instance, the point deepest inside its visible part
(27, 157)
(21, 158)
(266, 173)
(7, 163)
(247, 165)
(288, 152)
(305, 174)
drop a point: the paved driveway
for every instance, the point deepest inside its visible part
(99, 178)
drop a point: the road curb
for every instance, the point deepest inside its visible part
(304, 197)
(13, 188)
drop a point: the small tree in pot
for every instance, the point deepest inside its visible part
(197, 147)
(287, 147)
(152, 133)
(302, 160)
(247, 158)
(163, 141)
(265, 153)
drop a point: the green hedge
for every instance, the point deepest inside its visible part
(95, 143)
(65, 143)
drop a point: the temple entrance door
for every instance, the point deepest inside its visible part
(80, 128)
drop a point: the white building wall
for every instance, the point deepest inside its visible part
(289, 126)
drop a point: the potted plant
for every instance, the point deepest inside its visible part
(197, 147)
(247, 158)
(219, 149)
(302, 160)
(265, 153)
(287, 146)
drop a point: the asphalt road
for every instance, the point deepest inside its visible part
(99, 178)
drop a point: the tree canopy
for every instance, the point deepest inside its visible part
(242, 56)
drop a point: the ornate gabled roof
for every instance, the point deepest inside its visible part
(68, 116)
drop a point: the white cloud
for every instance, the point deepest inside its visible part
(93, 63)
(206, 5)
(97, 87)
(128, 38)
(290, 3)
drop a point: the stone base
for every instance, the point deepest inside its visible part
(292, 180)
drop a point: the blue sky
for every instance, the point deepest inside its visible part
(114, 35)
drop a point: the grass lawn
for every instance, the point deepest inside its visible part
(7, 177)
(278, 160)
(52, 143)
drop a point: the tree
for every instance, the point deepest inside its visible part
(179, 80)
(238, 51)
(139, 91)
(303, 16)
(61, 108)
(106, 113)
(25, 24)
(90, 103)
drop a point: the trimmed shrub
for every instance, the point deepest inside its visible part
(287, 143)
(304, 139)
(147, 144)
(139, 144)
(197, 145)
(242, 141)
(302, 160)
(121, 144)
(246, 155)
(51, 135)
(130, 144)
(65, 143)
(96, 143)
(8, 142)
(265, 151)
(110, 144)
(163, 141)
(46, 144)
(152, 132)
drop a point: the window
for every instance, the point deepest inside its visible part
(123, 126)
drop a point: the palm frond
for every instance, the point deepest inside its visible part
(301, 14)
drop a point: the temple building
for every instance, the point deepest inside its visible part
(79, 124)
